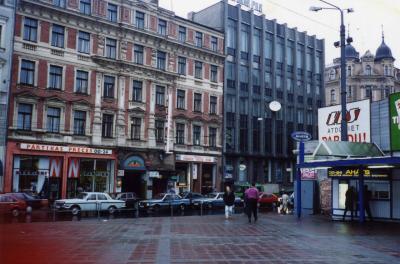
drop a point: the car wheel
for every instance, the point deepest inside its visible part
(111, 210)
(182, 207)
(75, 210)
(209, 205)
(15, 212)
(29, 209)
(156, 208)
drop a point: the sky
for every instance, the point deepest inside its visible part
(365, 23)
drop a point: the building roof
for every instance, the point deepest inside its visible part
(383, 52)
(351, 52)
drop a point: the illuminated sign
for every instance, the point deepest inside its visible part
(134, 163)
(351, 173)
(394, 105)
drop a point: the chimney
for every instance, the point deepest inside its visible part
(190, 15)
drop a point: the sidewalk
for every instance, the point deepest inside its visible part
(207, 239)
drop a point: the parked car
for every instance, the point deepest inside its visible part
(130, 199)
(268, 200)
(10, 204)
(31, 201)
(213, 200)
(163, 201)
(90, 201)
(192, 196)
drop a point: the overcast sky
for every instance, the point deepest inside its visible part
(365, 23)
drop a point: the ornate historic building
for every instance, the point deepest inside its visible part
(370, 76)
(113, 96)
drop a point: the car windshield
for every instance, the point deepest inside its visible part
(81, 195)
(159, 196)
(212, 195)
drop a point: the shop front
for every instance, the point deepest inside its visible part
(133, 176)
(197, 173)
(55, 171)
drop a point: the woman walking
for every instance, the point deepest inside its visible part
(252, 196)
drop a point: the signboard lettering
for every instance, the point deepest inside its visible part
(358, 122)
(251, 4)
(394, 111)
(351, 172)
(70, 149)
(308, 174)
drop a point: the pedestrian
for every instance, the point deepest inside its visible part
(367, 199)
(252, 195)
(285, 201)
(229, 200)
(349, 202)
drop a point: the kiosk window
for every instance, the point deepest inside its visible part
(380, 190)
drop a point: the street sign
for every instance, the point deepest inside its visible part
(301, 136)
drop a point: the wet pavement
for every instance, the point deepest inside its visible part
(199, 239)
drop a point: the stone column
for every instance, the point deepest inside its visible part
(151, 141)
(120, 132)
(97, 120)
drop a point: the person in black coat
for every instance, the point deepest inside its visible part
(349, 203)
(229, 200)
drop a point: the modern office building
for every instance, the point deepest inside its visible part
(7, 12)
(367, 77)
(266, 61)
(109, 95)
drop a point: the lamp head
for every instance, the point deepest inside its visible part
(315, 9)
(350, 10)
(336, 44)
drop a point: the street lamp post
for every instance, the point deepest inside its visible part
(343, 125)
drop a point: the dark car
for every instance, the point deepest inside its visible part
(10, 204)
(31, 201)
(164, 201)
(191, 196)
(130, 198)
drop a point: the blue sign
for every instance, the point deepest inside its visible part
(301, 136)
(134, 163)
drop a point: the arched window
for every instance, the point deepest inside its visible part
(368, 70)
(333, 95)
(348, 72)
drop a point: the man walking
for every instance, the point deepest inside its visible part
(349, 203)
(229, 200)
(252, 195)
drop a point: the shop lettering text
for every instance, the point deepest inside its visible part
(195, 158)
(70, 149)
(251, 4)
(355, 173)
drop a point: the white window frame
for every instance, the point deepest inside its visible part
(62, 107)
(51, 36)
(79, 107)
(115, 86)
(89, 81)
(62, 77)
(23, 100)
(36, 75)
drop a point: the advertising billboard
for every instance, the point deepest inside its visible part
(358, 122)
(394, 111)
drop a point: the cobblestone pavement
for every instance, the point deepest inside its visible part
(195, 239)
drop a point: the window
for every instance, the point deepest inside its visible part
(244, 41)
(368, 91)
(109, 83)
(197, 102)
(138, 54)
(85, 7)
(196, 135)
(161, 57)
(180, 102)
(333, 95)
(159, 131)
(111, 48)
(212, 140)
(24, 116)
(57, 36)
(160, 95)
(53, 120)
(387, 71)
(162, 27)
(30, 29)
(137, 91)
(60, 3)
(107, 127)
(112, 12)
(180, 133)
(182, 65)
(79, 122)
(214, 73)
(135, 128)
(199, 39)
(231, 35)
(348, 72)
(55, 78)
(82, 82)
(182, 34)
(198, 69)
(27, 74)
(139, 20)
(243, 133)
(84, 42)
(213, 105)
(368, 70)
(214, 43)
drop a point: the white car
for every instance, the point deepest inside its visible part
(90, 201)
